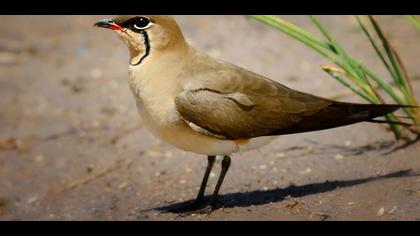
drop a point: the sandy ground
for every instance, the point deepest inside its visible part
(73, 145)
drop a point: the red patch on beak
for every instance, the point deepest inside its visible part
(114, 26)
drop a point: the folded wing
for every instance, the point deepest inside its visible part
(238, 104)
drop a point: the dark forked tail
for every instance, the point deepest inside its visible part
(341, 114)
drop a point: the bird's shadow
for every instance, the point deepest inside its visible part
(261, 197)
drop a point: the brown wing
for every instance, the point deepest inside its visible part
(234, 103)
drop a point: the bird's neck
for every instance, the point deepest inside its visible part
(158, 49)
(160, 64)
(156, 82)
(160, 72)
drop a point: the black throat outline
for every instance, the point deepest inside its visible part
(146, 42)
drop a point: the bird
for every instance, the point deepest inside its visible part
(210, 107)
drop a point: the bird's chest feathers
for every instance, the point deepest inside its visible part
(155, 99)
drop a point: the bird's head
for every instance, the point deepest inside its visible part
(145, 34)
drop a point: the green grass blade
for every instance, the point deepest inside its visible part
(357, 76)
(396, 129)
(400, 81)
(401, 75)
(326, 34)
(372, 42)
(311, 41)
(365, 70)
(414, 20)
(285, 28)
(386, 87)
(293, 31)
(353, 66)
(351, 86)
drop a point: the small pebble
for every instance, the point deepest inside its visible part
(263, 167)
(381, 211)
(182, 181)
(123, 185)
(39, 158)
(306, 171)
(89, 169)
(32, 199)
(154, 153)
(338, 157)
(280, 155)
(188, 170)
(21, 146)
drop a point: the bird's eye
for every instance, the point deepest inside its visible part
(142, 23)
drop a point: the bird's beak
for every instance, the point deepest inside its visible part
(109, 24)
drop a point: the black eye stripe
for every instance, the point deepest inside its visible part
(146, 42)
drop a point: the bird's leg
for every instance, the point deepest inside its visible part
(210, 162)
(198, 206)
(225, 167)
(198, 202)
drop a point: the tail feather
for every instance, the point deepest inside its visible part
(341, 114)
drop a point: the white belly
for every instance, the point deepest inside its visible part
(179, 134)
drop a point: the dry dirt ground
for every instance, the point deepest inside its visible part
(73, 146)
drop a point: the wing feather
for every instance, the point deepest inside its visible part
(238, 104)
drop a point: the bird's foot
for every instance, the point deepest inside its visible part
(205, 209)
(188, 206)
(195, 207)
(209, 208)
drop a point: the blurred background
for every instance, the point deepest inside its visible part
(72, 145)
